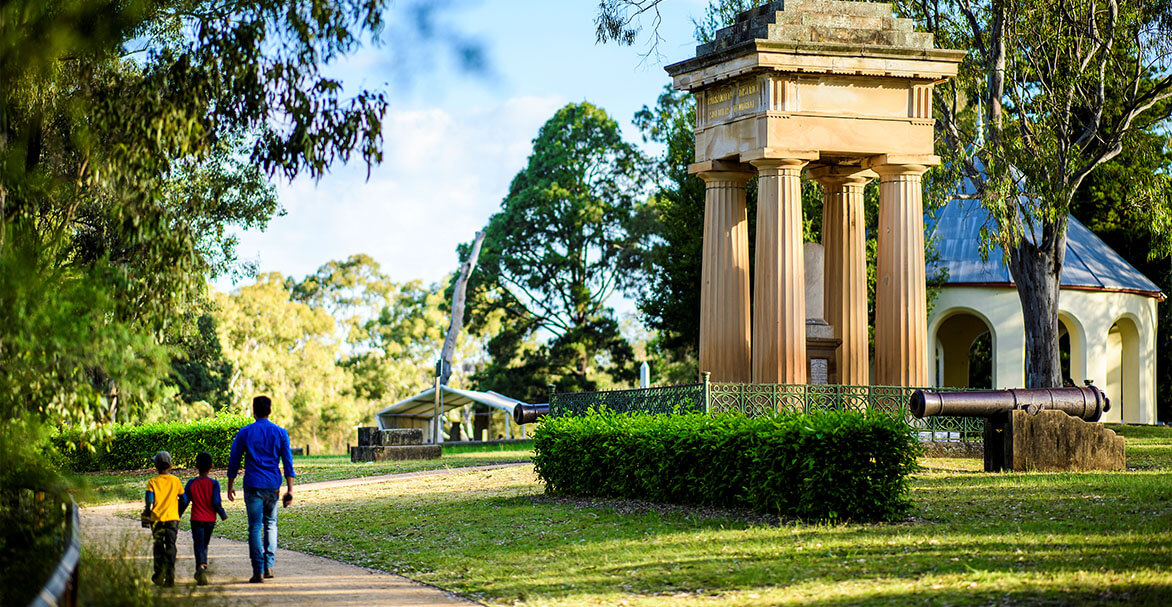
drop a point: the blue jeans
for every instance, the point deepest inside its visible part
(201, 535)
(261, 505)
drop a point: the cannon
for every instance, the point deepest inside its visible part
(527, 414)
(1087, 403)
(1067, 445)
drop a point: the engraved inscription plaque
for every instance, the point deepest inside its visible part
(732, 101)
(819, 371)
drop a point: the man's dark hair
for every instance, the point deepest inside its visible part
(203, 462)
(262, 406)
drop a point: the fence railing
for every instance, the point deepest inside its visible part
(61, 587)
(765, 399)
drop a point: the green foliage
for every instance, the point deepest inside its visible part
(570, 233)
(133, 136)
(1128, 203)
(68, 357)
(31, 514)
(1043, 101)
(132, 447)
(288, 351)
(828, 466)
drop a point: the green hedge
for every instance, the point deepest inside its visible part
(132, 447)
(825, 466)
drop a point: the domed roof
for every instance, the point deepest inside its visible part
(1090, 263)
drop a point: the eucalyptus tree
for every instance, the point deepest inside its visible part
(132, 135)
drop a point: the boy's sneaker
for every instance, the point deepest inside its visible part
(268, 573)
(256, 579)
(157, 580)
(170, 583)
(201, 576)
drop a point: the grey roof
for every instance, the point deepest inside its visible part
(1090, 263)
(422, 405)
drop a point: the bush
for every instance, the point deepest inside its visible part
(825, 466)
(132, 447)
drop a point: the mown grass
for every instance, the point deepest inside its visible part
(974, 539)
(123, 486)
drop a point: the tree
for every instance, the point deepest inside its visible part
(288, 350)
(570, 233)
(1048, 94)
(132, 136)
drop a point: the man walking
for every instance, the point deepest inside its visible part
(264, 444)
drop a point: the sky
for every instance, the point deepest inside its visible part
(454, 140)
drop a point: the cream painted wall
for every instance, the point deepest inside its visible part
(1089, 317)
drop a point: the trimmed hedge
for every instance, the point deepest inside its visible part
(824, 466)
(132, 447)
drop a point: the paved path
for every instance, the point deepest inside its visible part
(301, 579)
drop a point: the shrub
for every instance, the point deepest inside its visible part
(131, 447)
(824, 466)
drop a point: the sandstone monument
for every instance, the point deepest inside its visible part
(842, 90)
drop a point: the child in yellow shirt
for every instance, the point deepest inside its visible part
(163, 495)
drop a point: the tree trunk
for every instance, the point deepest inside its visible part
(459, 294)
(1035, 272)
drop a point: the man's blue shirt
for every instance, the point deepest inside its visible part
(265, 443)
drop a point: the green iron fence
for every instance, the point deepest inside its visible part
(765, 399)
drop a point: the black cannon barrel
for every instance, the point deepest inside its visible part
(1084, 402)
(527, 414)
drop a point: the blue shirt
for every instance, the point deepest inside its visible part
(264, 443)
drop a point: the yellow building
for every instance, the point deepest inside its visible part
(1107, 313)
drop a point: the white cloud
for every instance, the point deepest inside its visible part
(443, 174)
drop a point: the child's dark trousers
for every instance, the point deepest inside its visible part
(164, 534)
(201, 535)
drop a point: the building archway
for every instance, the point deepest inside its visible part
(1072, 349)
(1123, 370)
(966, 347)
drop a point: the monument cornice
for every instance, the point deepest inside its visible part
(815, 58)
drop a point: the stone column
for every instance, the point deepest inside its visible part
(779, 296)
(844, 239)
(724, 290)
(901, 306)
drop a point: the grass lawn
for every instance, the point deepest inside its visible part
(975, 539)
(123, 486)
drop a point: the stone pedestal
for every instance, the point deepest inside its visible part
(821, 345)
(377, 445)
(1050, 441)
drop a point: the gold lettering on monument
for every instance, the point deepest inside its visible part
(733, 100)
(721, 96)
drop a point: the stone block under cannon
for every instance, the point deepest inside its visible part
(1053, 429)
(378, 445)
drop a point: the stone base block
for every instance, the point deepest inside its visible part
(1053, 441)
(383, 453)
(373, 437)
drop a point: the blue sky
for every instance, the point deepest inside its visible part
(454, 141)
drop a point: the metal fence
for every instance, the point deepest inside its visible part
(756, 400)
(60, 590)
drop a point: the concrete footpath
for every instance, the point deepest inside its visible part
(300, 579)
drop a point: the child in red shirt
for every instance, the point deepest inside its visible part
(203, 494)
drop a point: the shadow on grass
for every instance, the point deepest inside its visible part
(1018, 538)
